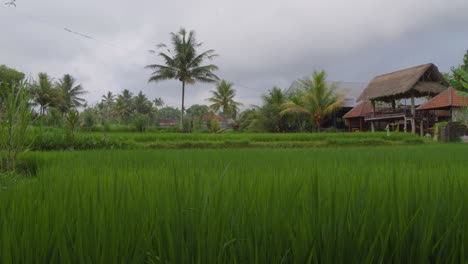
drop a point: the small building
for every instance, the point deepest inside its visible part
(446, 106)
(168, 122)
(384, 91)
(354, 119)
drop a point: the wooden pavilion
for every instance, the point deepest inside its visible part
(420, 81)
(446, 104)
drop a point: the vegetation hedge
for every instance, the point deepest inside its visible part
(58, 139)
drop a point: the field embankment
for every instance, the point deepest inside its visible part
(56, 139)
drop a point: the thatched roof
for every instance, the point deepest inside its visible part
(445, 100)
(422, 80)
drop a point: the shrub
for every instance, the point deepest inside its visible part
(89, 119)
(140, 121)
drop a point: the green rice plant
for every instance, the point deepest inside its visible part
(402, 204)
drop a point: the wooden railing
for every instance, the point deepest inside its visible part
(390, 113)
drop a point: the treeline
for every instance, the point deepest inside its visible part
(306, 107)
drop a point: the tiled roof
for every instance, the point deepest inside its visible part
(359, 111)
(446, 99)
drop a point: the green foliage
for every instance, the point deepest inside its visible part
(15, 117)
(437, 128)
(140, 121)
(214, 125)
(142, 104)
(45, 94)
(325, 205)
(89, 119)
(71, 124)
(269, 116)
(53, 118)
(318, 102)
(9, 77)
(458, 78)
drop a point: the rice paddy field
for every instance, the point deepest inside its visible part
(380, 204)
(55, 139)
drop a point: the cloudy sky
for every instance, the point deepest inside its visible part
(261, 43)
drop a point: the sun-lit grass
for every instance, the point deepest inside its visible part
(405, 204)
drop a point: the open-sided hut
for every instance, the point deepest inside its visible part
(420, 81)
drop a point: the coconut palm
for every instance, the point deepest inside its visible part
(43, 91)
(319, 100)
(142, 104)
(183, 63)
(108, 101)
(71, 93)
(124, 105)
(270, 111)
(223, 99)
(108, 98)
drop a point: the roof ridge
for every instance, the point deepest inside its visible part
(411, 68)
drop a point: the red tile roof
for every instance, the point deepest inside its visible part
(360, 110)
(446, 99)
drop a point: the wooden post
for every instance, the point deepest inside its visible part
(421, 128)
(413, 115)
(372, 126)
(373, 108)
(405, 125)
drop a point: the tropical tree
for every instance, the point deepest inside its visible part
(319, 100)
(458, 77)
(142, 104)
(124, 105)
(108, 100)
(223, 99)
(44, 92)
(183, 63)
(158, 102)
(71, 93)
(273, 100)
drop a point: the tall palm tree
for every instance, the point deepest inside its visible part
(183, 63)
(270, 111)
(318, 101)
(124, 105)
(108, 100)
(223, 98)
(142, 104)
(43, 91)
(71, 93)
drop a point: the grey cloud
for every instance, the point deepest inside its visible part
(262, 43)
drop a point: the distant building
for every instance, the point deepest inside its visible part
(386, 92)
(168, 122)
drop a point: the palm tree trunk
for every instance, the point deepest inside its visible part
(182, 109)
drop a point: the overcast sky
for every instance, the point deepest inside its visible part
(261, 43)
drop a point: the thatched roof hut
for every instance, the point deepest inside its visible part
(423, 80)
